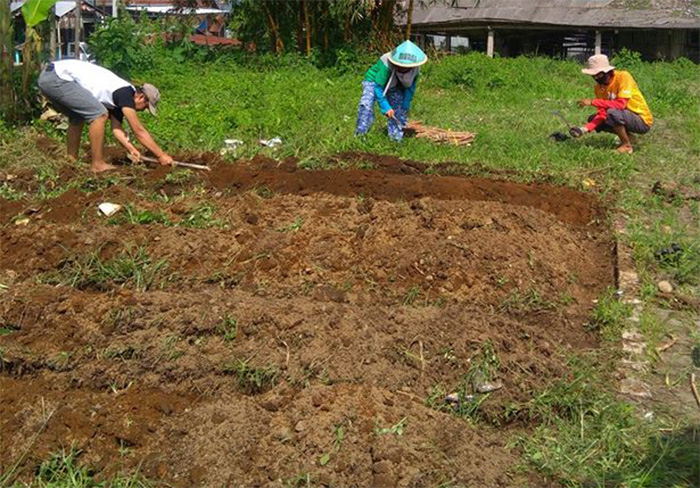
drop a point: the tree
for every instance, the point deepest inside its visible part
(7, 90)
(18, 103)
(310, 25)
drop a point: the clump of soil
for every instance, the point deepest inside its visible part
(228, 330)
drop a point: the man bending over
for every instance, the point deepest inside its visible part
(85, 92)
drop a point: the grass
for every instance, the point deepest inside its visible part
(133, 268)
(460, 92)
(588, 437)
(132, 215)
(200, 217)
(527, 302)
(608, 316)
(64, 470)
(252, 380)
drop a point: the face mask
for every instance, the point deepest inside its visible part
(406, 78)
(605, 79)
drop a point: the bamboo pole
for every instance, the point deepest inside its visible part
(78, 15)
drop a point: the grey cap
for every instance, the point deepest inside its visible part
(152, 95)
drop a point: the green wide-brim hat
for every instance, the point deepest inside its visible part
(407, 55)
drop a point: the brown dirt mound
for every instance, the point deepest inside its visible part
(281, 306)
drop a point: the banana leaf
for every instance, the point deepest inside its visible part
(37, 11)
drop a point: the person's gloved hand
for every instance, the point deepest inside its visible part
(577, 132)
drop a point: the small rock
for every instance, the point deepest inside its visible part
(269, 405)
(488, 387)
(300, 426)
(635, 388)
(282, 434)
(665, 287)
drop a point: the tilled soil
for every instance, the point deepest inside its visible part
(288, 326)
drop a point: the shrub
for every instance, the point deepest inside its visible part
(120, 45)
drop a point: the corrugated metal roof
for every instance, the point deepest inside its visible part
(169, 9)
(63, 7)
(578, 13)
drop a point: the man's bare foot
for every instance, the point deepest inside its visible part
(625, 149)
(102, 167)
(633, 141)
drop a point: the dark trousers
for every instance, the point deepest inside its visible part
(616, 117)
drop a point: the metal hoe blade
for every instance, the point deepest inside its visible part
(557, 113)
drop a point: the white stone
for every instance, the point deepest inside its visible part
(665, 287)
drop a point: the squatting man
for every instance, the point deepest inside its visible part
(621, 106)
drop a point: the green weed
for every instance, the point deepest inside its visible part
(131, 215)
(228, 328)
(119, 317)
(397, 429)
(179, 176)
(303, 480)
(224, 279)
(411, 296)
(293, 227)
(64, 470)
(608, 316)
(132, 268)
(338, 438)
(121, 352)
(201, 217)
(10, 193)
(529, 301)
(169, 347)
(264, 192)
(252, 380)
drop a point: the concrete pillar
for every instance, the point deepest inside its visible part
(598, 42)
(676, 42)
(448, 43)
(115, 10)
(490, 43)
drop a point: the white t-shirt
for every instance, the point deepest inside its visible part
(99, 81)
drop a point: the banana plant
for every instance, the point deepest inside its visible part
(34, 12)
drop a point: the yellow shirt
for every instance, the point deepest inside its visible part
(624, 86)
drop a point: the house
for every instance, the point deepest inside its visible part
(209, 17)
(65, 14)
(658, 29)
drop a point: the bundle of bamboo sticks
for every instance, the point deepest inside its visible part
(417, 129)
